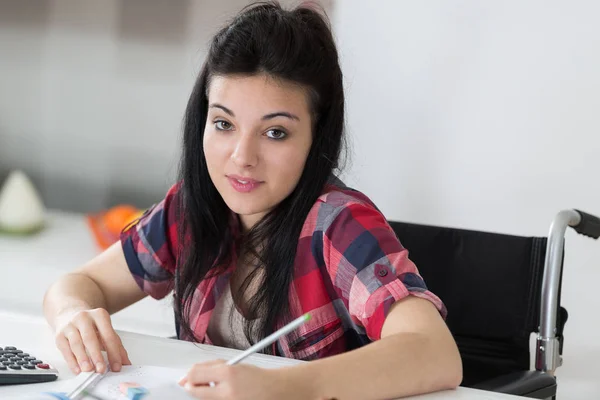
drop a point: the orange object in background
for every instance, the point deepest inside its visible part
(106, 226)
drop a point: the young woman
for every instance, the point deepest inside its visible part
(258, 231)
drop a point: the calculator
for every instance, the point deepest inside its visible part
(17, 367)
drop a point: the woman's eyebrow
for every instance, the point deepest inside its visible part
(264, 118)
(280, 114)
(222, 107)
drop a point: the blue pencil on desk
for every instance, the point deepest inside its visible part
(295, 324)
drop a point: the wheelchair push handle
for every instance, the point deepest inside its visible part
(589, 225)
(548, 346)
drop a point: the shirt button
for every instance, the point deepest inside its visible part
(382, 272)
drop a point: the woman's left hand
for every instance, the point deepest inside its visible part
(236, 382)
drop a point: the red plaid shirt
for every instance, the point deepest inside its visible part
(349, 269)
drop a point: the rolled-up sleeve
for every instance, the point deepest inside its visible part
(369, 267)
(150, 246)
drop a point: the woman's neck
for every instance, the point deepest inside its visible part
(247, 222)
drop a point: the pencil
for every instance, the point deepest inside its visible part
(267, 341)
(270, 339)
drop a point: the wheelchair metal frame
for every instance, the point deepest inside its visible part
(547, 352)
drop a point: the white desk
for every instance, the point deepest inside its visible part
(29, 264)
(34, 336)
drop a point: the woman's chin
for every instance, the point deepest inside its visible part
(247, 210)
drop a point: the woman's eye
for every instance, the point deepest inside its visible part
(276, 134)
(223, 125)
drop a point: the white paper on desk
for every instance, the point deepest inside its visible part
(161, 383)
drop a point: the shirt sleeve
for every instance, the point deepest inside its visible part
(369, 268)
(150, 246)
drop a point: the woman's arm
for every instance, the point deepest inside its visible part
(416, 354)
(78, 306)
(412, 350)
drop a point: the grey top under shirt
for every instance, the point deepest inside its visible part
(226, 325)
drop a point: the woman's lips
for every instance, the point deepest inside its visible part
(242, 184)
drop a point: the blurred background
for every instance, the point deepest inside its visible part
(472, 114)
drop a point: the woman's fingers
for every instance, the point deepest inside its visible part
(93, 347)
(184, 378)
(203, 392)
(89, 338)
(198, 380)
(125, 356)
(205, 373)
(82, 339)
(63, 345)
(112, 341)
(78, 348)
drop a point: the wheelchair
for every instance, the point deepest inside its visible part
(499, 289)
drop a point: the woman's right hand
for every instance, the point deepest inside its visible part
(82, 335)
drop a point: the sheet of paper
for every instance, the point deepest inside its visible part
(160, 381)
(156, 379)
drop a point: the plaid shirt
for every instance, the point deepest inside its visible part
(349, 270)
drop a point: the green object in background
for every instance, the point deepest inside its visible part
(21, 232)
(22, 211)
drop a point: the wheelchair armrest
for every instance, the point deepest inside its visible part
(533, 384)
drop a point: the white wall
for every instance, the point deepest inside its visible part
(92, 93)
(484, 115)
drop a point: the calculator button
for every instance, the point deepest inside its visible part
(43, 366)
(29, 358)
(14, 366)
(29, 366)
(35, 362)
(10, 348)
(3, 368)
(7, 362)
(17, 351)
(21, 362)
(24, 355)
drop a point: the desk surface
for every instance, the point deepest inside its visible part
(33, 335)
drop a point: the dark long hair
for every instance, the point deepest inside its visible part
(296, 46)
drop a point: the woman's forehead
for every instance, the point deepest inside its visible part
(259, 92)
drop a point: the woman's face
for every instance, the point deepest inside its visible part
(256, 140)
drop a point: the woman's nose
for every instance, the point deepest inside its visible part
(245, 153)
